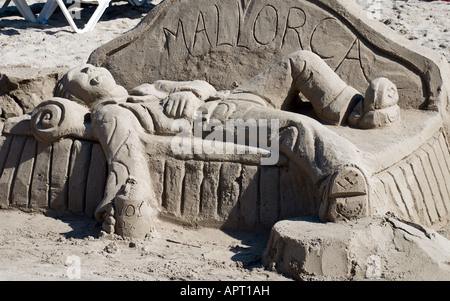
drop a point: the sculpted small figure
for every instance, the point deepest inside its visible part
(124, 123)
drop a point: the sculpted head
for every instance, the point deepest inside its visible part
(90, 85)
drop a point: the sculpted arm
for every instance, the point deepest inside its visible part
(161, 89)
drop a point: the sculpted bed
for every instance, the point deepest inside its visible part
(58, 159)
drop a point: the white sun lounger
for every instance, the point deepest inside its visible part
(50, 7)
(23, 8)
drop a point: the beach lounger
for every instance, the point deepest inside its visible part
(23, 8)
(51, 5)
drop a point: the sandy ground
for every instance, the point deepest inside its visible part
(37, 247)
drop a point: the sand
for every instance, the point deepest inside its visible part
(37, 247)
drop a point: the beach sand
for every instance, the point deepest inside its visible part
(37, 247)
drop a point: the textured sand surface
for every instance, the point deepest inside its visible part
(36, 247)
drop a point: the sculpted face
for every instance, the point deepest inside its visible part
(93, 84)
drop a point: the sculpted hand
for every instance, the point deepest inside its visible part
(201, 89)
(146, 93)
(182, 105)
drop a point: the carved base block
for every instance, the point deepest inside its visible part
(367, 249)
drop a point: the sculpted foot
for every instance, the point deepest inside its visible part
(345, 196)
(379, 107)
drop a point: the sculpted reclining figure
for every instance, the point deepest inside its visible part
(124, 124)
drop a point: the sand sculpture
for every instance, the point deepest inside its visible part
(341, 120)
(125, 124)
